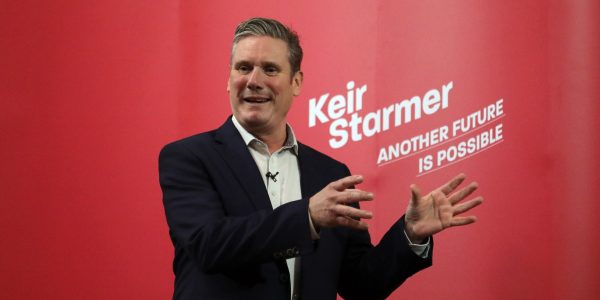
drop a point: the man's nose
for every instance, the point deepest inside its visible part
(255, 79)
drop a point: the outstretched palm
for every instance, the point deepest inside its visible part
(439, 209)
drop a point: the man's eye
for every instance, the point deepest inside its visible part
(244, 69)
(271, 70)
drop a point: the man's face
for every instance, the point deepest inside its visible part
(261, 86)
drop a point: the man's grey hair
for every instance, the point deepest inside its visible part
(274, 29)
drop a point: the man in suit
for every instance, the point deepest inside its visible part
(254, 214)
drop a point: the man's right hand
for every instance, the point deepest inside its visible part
(328, 208)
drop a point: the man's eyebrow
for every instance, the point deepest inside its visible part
(267, 64)
(241, 63)
(271, 64)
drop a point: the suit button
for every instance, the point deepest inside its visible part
(284, 278)
(290, 253)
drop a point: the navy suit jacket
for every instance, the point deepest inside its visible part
(230, 243)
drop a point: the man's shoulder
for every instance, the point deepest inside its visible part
(203, 139)
(305, 151)
(192, 142)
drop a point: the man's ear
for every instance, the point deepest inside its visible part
(229, 79)
(297, 82)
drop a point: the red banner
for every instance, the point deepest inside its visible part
(402, 91)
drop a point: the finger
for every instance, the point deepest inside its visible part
(416, 193)
(346, 182)
(353, 196)
(351, 223)
(463, 193)
(352, 212)
(463, 207)
(452, 184)
(461, 221)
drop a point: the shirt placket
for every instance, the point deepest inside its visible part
(275, 181)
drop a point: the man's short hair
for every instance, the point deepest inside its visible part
(274, 29)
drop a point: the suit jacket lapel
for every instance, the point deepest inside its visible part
(309, 172)
(235, 153)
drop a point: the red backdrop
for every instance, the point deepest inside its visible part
(90, 92)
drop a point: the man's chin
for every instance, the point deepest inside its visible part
(252, 121)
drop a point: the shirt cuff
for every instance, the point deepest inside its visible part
(421, 250)
(314, 235)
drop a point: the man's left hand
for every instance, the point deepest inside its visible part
(439, 209)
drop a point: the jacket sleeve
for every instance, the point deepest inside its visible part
(214, 239)
(374, 272)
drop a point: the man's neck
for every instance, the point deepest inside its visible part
(274, 140)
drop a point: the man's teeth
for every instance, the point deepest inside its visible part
(254, 100)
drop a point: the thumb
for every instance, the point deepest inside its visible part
(416, 193)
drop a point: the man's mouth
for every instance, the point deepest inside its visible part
(256, 99)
